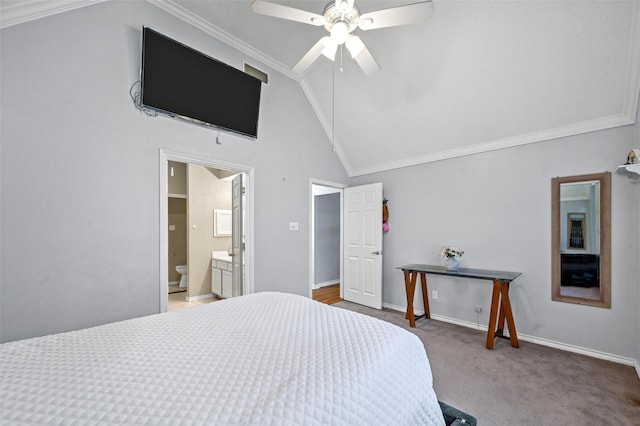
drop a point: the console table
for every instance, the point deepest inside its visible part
(500, 304)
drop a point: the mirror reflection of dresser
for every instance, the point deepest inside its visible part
(581, 240)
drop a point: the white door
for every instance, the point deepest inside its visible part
(363, 245)
(237, 235)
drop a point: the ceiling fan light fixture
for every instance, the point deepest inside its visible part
(339, 32)
(354, 45)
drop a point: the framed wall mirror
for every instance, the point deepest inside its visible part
(581, 239)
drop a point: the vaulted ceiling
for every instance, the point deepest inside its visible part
(476, 76)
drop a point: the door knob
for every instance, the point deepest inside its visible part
(377, 252)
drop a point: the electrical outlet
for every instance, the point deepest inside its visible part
(434, 294)
(293, 226)
(477, 309)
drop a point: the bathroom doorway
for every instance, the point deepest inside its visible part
(191, 203)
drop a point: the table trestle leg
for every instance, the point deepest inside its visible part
(493, 314)
(410, 284)
(501, 311)
(506, 307)
(425, 295)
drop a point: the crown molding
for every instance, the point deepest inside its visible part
(626, 117)
(29, 10)
(541, 136)
(181, 13)
(326, 126)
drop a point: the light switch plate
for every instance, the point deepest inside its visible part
(293, 226)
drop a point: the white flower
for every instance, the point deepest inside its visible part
(451, 252)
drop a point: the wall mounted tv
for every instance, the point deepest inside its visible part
(184, 83)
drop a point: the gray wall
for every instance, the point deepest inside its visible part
(327, 238)
(496, 206)
(80, 170)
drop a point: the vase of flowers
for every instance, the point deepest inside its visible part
(452, 257)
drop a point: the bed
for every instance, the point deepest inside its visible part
(261, 359)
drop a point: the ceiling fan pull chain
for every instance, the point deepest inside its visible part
(333, 108)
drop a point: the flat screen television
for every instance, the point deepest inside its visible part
(181, 82)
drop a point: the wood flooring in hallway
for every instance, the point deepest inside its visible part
(329, 294)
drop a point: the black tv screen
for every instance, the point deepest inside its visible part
(184, 83)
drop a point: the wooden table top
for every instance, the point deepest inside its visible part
(482, 274)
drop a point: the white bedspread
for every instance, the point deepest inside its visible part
(262, 359)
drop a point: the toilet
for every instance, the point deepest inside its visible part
(182, 270)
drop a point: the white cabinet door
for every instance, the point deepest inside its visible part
(227, 284)
(216, 281)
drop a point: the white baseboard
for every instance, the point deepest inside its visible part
(326, 283)
(200, 297)
(173, 282)
(532, 339)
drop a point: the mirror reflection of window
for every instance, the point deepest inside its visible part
(576, 231)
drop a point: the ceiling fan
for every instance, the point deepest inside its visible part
(340, 18)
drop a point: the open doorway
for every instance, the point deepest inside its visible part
(360, 233)
(177, 227)
(218, 219)
(326, 241)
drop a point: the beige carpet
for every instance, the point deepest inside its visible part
(533, 385)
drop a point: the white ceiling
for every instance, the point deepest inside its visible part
(477, 76)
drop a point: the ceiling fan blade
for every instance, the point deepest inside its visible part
(366, 61)
(401, 15)
(329, 48)
(286, 12)
(310, 57)
(354, 45)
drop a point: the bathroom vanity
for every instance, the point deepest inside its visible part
(221, 275)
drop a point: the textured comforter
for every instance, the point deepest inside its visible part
(261, 359)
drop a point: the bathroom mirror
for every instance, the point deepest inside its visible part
(221, 223)
(581, 239)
